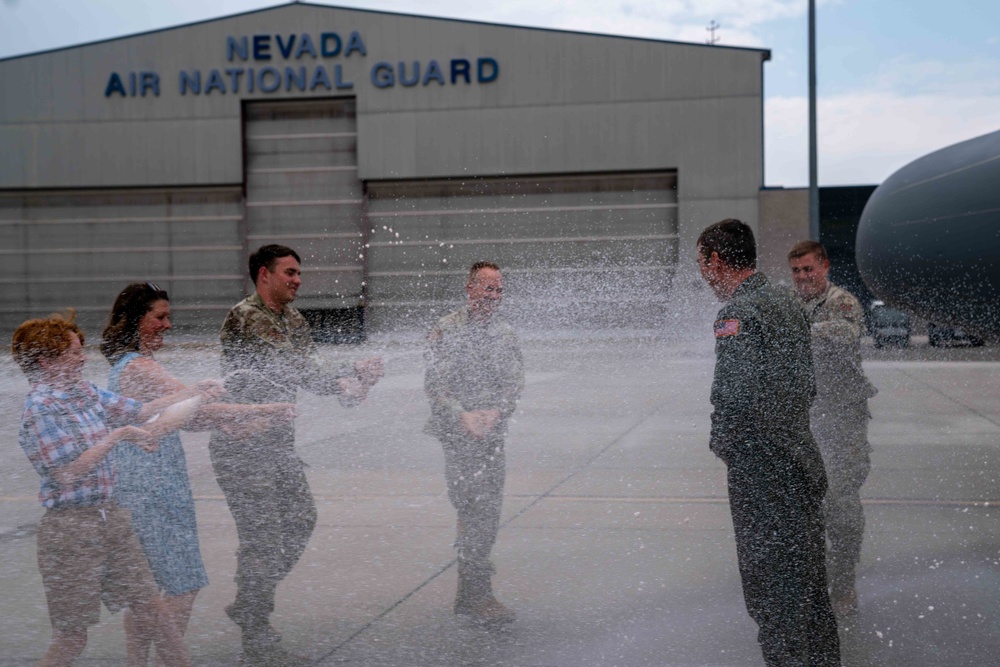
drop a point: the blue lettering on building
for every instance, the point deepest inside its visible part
(305, 46)
(268, 84)
(296, 77)
(262, 47)
(215, 82)
(414, 77)
(433, 73)
(460, 67)
(487, 70)
(139, 85)
(354, 43)
(383, 76)
(304, 78)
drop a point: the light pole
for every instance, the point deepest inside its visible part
(813, 170)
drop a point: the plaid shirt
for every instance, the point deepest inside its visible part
(57, 426)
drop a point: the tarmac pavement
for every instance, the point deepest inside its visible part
(617, 545)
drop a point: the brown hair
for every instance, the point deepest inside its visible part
(803, 248)
(43, 338)
(266, 256)
(122, 333)
(475, 268)
(733, 240)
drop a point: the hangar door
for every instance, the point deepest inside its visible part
(303, 191)
(582, 251)
(78, 249)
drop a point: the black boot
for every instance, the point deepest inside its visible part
(474, 598)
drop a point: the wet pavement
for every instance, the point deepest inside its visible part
(616, 547)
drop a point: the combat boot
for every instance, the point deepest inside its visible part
(271, 655)
(475, 600)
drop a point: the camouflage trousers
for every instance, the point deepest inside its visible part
(842, 435)
(269, 497)
(475, 471)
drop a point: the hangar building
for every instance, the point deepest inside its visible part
(390, 150)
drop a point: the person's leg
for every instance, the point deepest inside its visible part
(248, 484)
(178, 609)
(779, 542)
(475, 471)
(844, 443)
(137, 641)
(153, 620)
(66, 646)
(70, 561)
(297, 510)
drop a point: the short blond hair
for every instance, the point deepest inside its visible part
(803, 248)
(43, 338)
(479, 266)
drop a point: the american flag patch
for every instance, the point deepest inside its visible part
(725, 328)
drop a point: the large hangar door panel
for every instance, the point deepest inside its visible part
(594, 251)
(303, 191)
(78, 249)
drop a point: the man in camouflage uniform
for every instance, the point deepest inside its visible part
(267, 354)
(840, 414)
(474, 377)
(761, 394)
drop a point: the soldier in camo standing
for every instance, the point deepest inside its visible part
(839, 417)
(267, 354)
(474, 376)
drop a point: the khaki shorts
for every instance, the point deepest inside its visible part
(87, 555)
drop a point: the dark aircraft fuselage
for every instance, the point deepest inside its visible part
(929, 237)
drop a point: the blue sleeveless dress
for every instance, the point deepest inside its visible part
(155, 487)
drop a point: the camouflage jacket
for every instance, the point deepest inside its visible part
(837, 321)
(266, 355)
(764, 384)
(471, 366)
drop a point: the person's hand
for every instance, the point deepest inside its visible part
(247, 427)
(472, 424)
(138, 437)
(354, 388)
(210, 390)
(479, 423)
(489, 419)
(279, 413)
(370, 370)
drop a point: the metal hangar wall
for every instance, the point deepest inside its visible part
(390, 150)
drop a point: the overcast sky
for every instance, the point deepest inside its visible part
(897, 78)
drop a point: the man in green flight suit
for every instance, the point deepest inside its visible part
(267, 354)
(474, 376)
(761, 394)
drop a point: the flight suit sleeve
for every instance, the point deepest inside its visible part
(735, 385)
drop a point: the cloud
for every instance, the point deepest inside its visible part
(863, 137)
(682, 20)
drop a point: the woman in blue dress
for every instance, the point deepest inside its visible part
(155, 486)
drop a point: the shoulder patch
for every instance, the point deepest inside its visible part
(725, 328)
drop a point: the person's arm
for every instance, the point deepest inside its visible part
(444, 405)
(76, 470)
(514, 362)
(145, 379)
(842, 322)
(55, 449)
(242, 420)
(734, 386)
